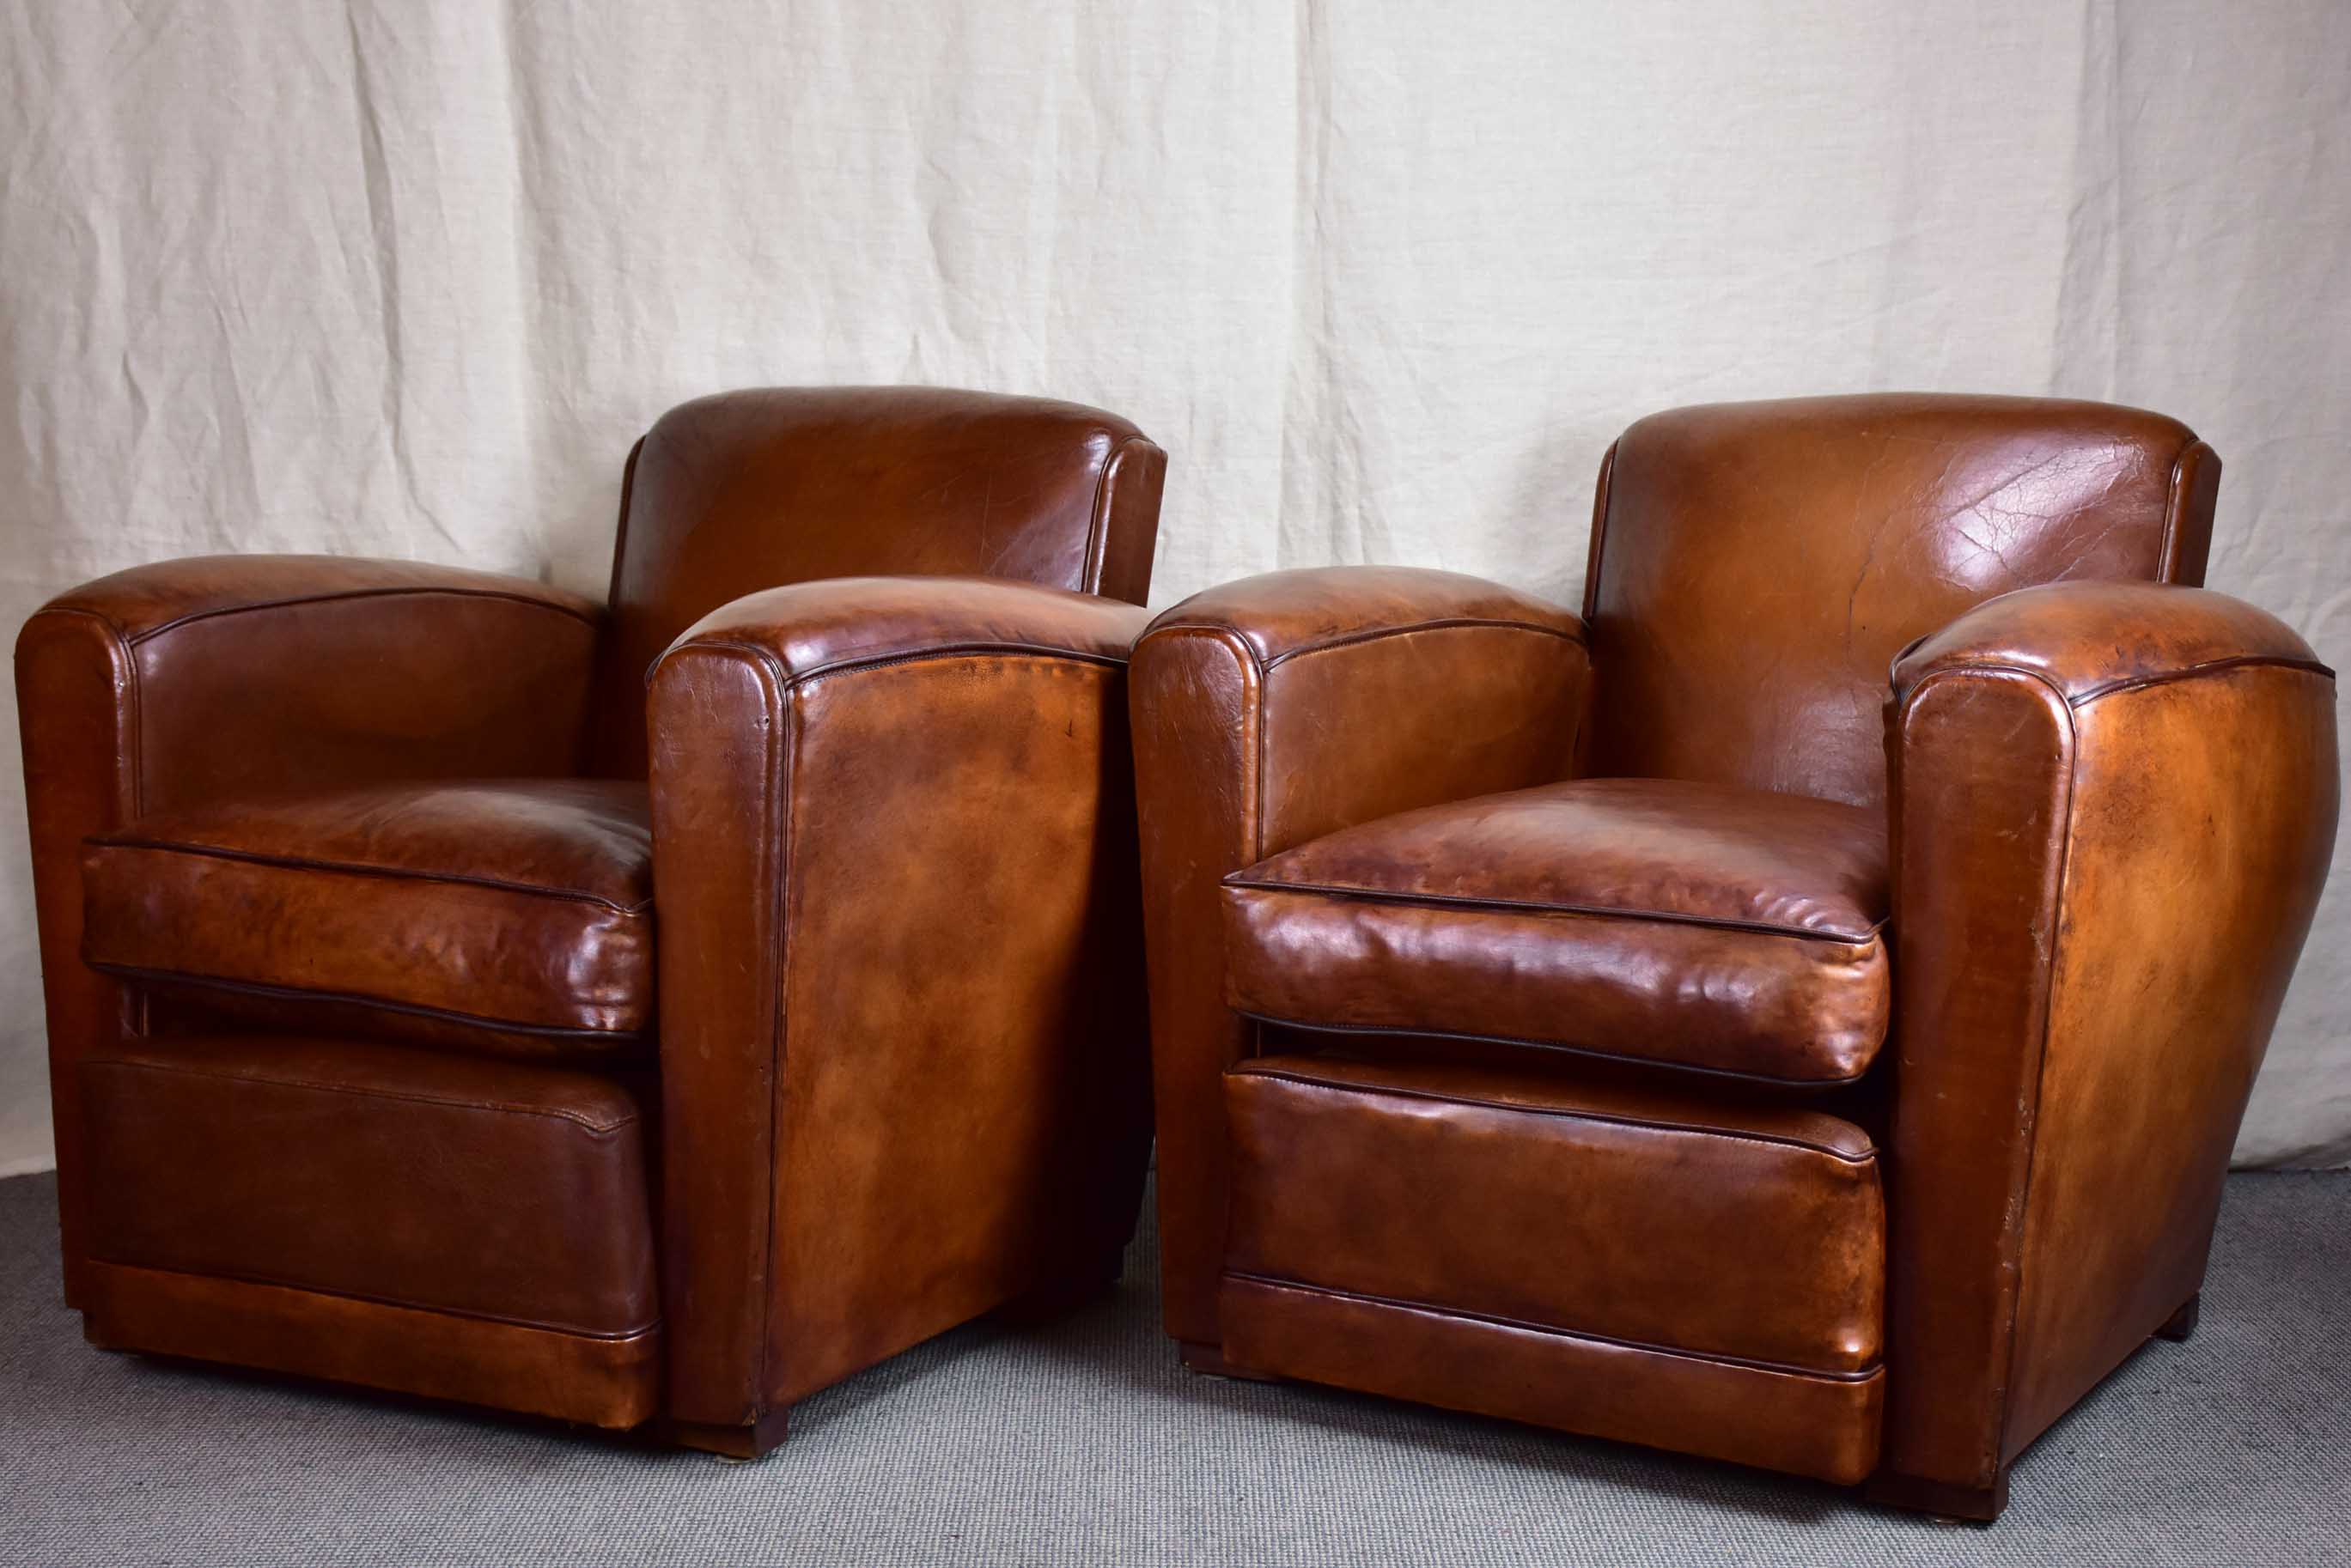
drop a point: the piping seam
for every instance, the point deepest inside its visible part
(1592, 1051)
(1569, 1112)
(1864, 1375)
(341, 868)
(1240, 882)
(582, 1032)
(595, 1128)
(532, 1325)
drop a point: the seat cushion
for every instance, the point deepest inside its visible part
(1703, 926)
(511, 916)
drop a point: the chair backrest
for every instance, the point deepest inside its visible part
(729, 495)
(1756, 567)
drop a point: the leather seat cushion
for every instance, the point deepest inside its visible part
(1703, 926)
(507, 916)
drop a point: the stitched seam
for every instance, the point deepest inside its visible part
(295, 600)
(1441, 623)
(1604, 505)
(581, 1033)
(788, 678)
(2174, 511)
(1864, 1375)
(1659, 1061)
(535, 1325)
(348, 869)
(1098, 525)
(1787, 1140)
(2122, 683)
(1451, 900)
(596, 1128)
(2040, 1083)
(2209, 667)
(782, 741)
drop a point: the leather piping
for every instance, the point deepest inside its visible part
(2120, 683)
(584, 1033)
(1090, 569)
(2019, 1206)
(1518, 906)
(2209, 667)
(790, 678)
(613, 1336)
(2175, 511)
(134, 639)
(596, 1128)
(1570, 1113)
(1863, 1375)
(1440, 623)
(341, 868)
(1592, 1051)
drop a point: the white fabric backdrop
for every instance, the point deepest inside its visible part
(406, 279)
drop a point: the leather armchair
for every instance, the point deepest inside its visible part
(653, 1010)
(1657, 1022)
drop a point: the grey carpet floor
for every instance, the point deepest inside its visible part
(1081, 1442)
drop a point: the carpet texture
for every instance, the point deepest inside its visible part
(1081, 1442)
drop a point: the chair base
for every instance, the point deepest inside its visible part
(757, 1440)
(610, 1383)
(1058, 1297)
(1208, 1361)
(1916, 1494)
(2181, 1326)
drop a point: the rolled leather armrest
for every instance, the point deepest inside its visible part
(171, 685)
(2085, 640)
(2114, 807)
(1278, 709)
(901, 1031)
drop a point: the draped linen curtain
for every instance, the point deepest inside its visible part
(405, 277)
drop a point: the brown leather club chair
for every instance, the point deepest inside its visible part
(1656, 1025)
(401, 1033)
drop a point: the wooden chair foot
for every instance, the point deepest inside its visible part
(2181, 1325)
(1058, 1297)
(1916, 1494)
(754, 1441)
(1208, 1361)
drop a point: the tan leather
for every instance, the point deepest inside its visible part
(612, 1383)
(535, 898)
(1502, 1243)
(1698, 925)
(2115, 806)
(1275, 711)
(1537, 1199)
(416, 1178)
(176, 686)
(2100, 818)
(1751, 1415)
(923, 831)
(327, 805)
(752, 489)
(1835, 531)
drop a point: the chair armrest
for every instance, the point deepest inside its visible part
(2114, 807)
(171, 685)
(1275, 710)
(901, 1026)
